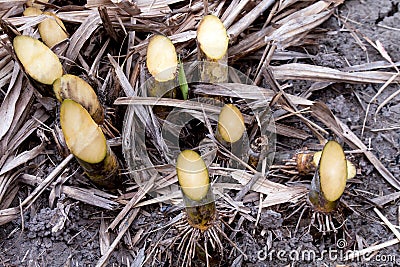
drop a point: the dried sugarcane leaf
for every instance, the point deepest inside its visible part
(96, 63)
(140, 257)
(24, 129)
(82, 34)
(6, 72)
(16, 134)
(123, 80)
(10, 193)
(73, 16)
(297, 26)
(125, 224)
(7, 186)
(9, 29)
(44, 183)
(276, 193)
(21, 159)
(292, 132)
(383, 200)
(9, 214)
(142, 191)
(286, 3)
(89, 196)
(150, 101)
(7, 108)
(371, 66)
(244, 91)
(96, 3)
(288, 34)
(175, 197)
(143, 113)
(104, 236)
(141, 3)
(307, 11)
(58, 220)
(252, 43)
(232, 12)
(36, 3)
(129, 7)
(29, 22)
(249, 18)
(297, 71)
(152, 4)
(107, 24)
(145, 8)
(5, 4)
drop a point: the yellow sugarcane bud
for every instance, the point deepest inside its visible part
(333, 171)
(212, 37)
(231, 123)
(162, 61)
(192, 175)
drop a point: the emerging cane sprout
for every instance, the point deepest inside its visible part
(192, 175)
(162, 60)
(38, 60)
(230, 124)
(195, 184)
(72, 87)
(162, 63)
(308, 162)
(87, 143)
(212, 37)
(212, 41)
(52, 29)
(330, 179)
(32, 11)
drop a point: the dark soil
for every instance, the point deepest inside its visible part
(34, 240)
